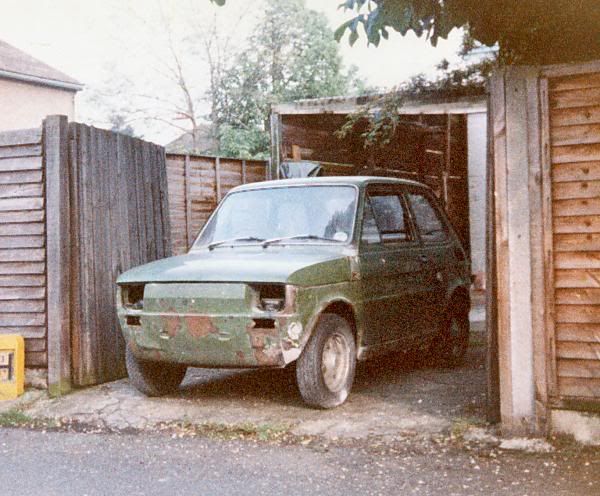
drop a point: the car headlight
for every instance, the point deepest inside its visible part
(133, 296)
(270, 297)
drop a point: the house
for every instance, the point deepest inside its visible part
(440, 141)
(198, 142)
(30, 90)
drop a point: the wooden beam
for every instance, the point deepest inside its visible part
(58, 245)
(188, 202)
(218, 178)
(243, 172)
(275, 122)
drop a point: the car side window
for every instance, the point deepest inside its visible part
(370, 233)
(391, 217)
(427, 218)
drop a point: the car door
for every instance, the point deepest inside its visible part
(390, 267)
(436, 253)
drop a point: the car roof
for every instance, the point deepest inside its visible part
(360, 181)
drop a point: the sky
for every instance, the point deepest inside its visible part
(121, 42)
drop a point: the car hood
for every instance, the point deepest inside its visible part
(307, 265)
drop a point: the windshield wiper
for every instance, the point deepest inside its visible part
(300, 236)
(214, 244)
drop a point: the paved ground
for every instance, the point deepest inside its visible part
(390, 398)
(35, 463)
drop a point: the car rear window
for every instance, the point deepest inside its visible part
(427, 218)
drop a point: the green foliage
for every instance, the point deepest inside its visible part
(291, 55)
(378, 118)
(527, 32)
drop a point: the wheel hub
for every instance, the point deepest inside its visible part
(335, 362)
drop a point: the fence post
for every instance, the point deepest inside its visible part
(218, 177)
(188, 201)
(58, 253)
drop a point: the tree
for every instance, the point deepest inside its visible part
(527, 32)
(290, 55)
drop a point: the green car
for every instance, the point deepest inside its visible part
(319, 272)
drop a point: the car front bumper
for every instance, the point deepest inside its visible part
(211, 325)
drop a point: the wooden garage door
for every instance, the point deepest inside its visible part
(574, 129)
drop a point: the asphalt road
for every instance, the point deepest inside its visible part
(63, 463)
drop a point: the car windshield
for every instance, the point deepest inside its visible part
(300, 214)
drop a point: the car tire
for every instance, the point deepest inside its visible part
(452, 343)
(153, 378)
(325, 369)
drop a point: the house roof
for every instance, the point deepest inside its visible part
(18, 65)
(350, 104)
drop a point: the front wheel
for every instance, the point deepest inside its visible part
(153, 378)
(325, 370)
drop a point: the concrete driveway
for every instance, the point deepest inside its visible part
(391, 398)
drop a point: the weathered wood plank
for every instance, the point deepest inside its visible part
(23, 229)
(22, 306)
(582, 171)
(577, 260)
(571, 190)
(36, 359)
(574, 116)
(13, 164)
(21, 216)
(575, 135)
(13, 268)
(575, 153)
(26, 332)
(22, 255)
(576, 207)
(20, 151)
(579, 368)
(579, 387)
(585, 333)
(584, 314)
(21, 177)
(581, 97)
(21, 241)
(577, 278)
(22, 293)
(576, 296)
(21, 137)
(22, 319)
(20, 190)
(22, 280)
(21, 204)
(578, 224)
(576, 82)
(577, 242)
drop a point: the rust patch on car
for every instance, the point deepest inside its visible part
(171, 326)
(200, 326)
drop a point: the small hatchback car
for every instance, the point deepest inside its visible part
(321, 272)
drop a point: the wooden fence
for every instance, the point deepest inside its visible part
(197, 184)
(545, 195)
(119, 219)
(78, 206)
(23, 241)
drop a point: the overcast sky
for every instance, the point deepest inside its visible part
(90, 39)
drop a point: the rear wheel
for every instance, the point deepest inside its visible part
(451, 345)
(153, 378)
(325, 370)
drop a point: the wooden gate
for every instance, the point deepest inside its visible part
(545, 199)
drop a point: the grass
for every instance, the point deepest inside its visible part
(261, 432)
(14, 418)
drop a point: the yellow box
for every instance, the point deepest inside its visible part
(12, 366)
